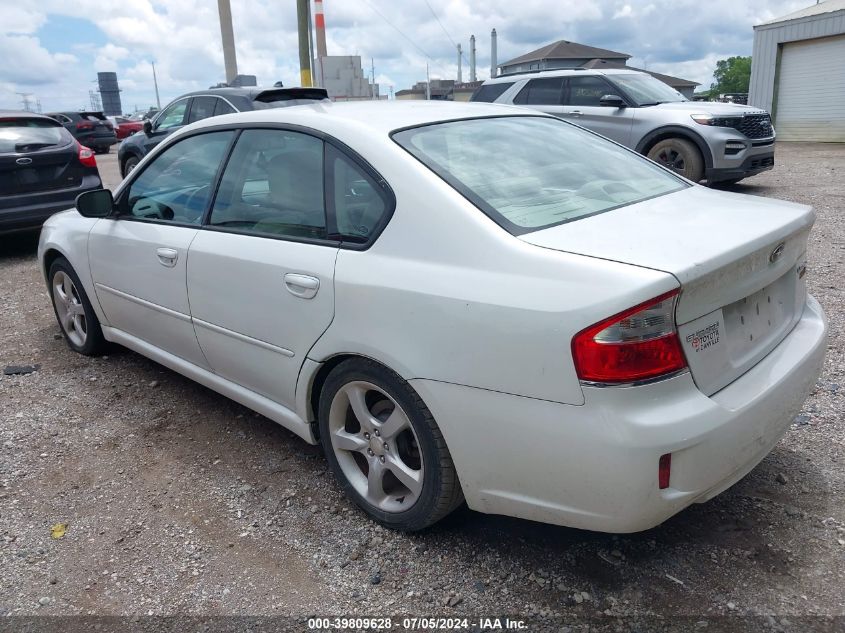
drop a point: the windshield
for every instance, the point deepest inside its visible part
(529, 173)
(646, 90)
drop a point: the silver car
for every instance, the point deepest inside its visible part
(716, 142)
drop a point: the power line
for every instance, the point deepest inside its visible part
(396, 28)
(454, 44)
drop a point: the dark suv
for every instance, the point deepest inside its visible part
(91, 129)
(203, 104)
(42, 170)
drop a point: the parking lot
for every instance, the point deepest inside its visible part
(178, 500)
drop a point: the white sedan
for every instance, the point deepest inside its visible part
(458, 302)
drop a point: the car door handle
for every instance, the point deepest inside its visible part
(303, 286)
(167, 256)
(575, 113)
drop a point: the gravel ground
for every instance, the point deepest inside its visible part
(179, 501)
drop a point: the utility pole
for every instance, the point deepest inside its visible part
(302, 12)
(227, 34)
(155, 82)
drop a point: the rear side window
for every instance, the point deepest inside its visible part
(273, 185)
(222, 107)
(490, 92)
(359, 203)
(201, 108)
(587, 91)
(543, 91)
(29, 135)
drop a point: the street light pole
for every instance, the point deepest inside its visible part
(155, 82)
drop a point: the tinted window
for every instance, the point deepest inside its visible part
(172, 116)
(201, 108)
(27, 135)
(222, 107)
(359, 203)
(490, 92)
(543, 91)
(273, 185)
(554, 172)
(587, 91)
(176, 186)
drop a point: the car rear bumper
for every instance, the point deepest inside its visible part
(595, 466)
(98, 140)
(28, 211)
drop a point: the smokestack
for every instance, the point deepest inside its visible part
(493, 69)
(459, 64)
(228, 36)
(472, 76)
(320, 26)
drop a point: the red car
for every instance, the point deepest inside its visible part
(124, 127)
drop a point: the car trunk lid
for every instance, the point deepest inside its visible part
(739, 260)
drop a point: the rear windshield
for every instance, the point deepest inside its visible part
(490, 92)
(28, 135)
(530, 173)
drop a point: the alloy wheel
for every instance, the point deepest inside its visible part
(672, 159)
(69, 308)
(376, 446)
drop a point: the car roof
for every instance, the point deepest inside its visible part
(251, 92)
(562, 72)
(381, 117)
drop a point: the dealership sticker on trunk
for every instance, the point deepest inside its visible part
(704, 338)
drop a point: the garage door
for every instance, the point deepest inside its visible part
(811, 91)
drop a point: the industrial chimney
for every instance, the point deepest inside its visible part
(460, 79)
(320, 27)
(228, 37)
(472, 58)
(493, 65)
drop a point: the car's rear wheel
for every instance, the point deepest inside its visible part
(76, 316)
(385, 448)
(129, 164)
(102, 150)
(679, 155)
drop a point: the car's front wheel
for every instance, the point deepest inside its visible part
(76, 316)
(385, 448)
(679, 155)
(129, 164)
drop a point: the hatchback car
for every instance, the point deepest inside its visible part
(196, 106)
(717, 142)
(91, 129)
(573, 335)
(42, 170)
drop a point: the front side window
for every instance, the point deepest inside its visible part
(177, 185)
(543, 171)
(587, 91)
(173, 115)
(273, 185)
(645, 90)
(543, 91)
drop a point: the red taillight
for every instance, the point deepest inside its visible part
(638, 344)
(664, 471)
(84, 125)
(86, 156)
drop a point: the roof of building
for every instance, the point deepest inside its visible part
(826, 6)
(598, 64)
(562, 49)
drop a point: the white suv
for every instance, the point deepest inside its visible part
(717, 142)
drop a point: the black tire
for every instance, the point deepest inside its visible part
(129, 164)
(94, 342)
(105, 150)
(441, 492)
(727, 183)
(679, 155)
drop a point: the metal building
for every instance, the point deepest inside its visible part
(798, 72)
(109, 94)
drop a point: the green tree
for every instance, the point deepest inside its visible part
(732, 75)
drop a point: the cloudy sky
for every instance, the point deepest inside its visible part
(54, 48)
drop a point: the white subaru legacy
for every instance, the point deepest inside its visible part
(458, 302)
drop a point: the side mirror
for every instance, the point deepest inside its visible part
(95, 204)
(148, 127)
(612, 101)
